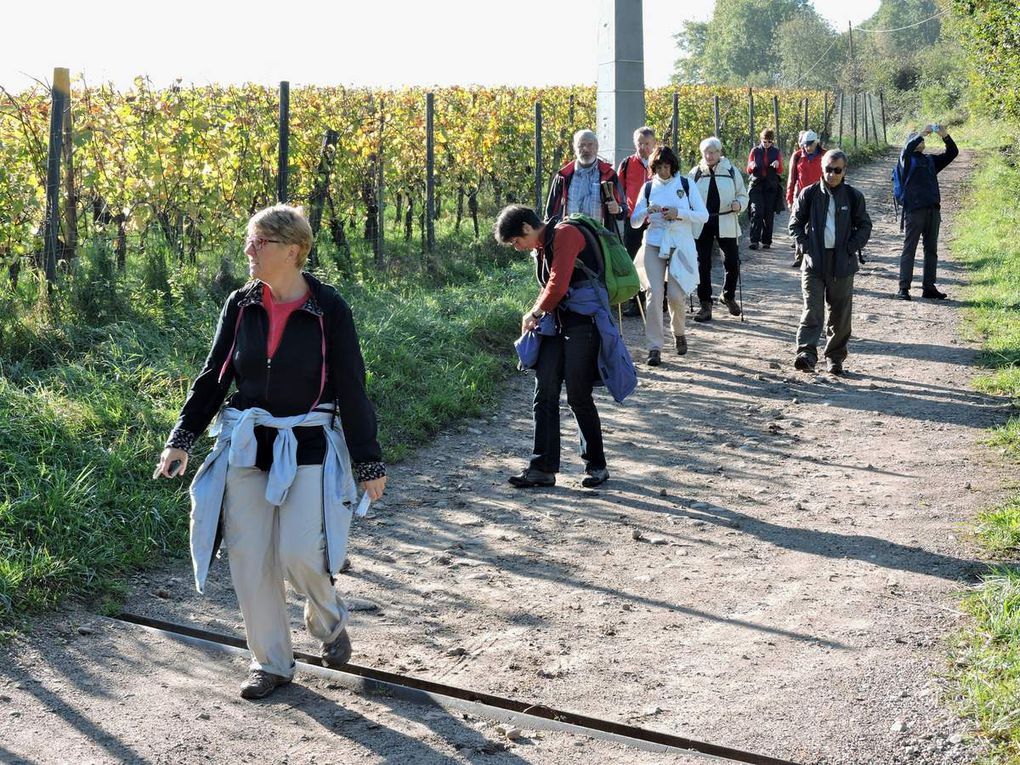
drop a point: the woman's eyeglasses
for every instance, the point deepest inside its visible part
(259, 242)
(834, 170)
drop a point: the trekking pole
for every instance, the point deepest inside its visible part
(740, 288)
(641, 310)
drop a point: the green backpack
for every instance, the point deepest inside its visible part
(618, 271)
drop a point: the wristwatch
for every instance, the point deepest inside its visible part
(536, 315)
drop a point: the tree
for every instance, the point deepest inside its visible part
(737, 46)
(989, 31)
(691, 42)
(810, 52)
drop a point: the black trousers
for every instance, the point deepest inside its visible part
(632, 238)
(917, 224)
(731, 261)
(571, 357)
(763, 213)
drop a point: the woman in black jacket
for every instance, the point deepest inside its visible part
(288, 344)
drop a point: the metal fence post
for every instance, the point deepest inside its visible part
(284, 154)
(538, 157)
(430, 173)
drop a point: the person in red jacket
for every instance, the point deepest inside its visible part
(578, 186)
(805, 169)
(634, 172)
(764, 166)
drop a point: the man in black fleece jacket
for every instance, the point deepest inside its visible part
(922, 209)
(830, 221)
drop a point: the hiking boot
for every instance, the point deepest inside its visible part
(261, 683)
(804, 363)
(337, 652)
(933, 294)
(752, 246)
(681, 345)
(731, 304)
(766, 246)
(595, 478)
(654, 358)
(798, 258)
(630, 308)
(704, 313)
(903, 295)
(834, 367)
(530, 477)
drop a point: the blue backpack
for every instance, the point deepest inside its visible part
(899, 184)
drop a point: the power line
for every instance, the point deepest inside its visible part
(811, 68)
(908, 26)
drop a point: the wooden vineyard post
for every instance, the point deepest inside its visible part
(380, 246)
(750, 112)
(70, 198)
(881, 101)
(775, 108)
(538, 157)
(805, 113)
(321, 190)
(59, 96)
(715, 109)
(874, 129)
(824, 135)
(283, 155)
(675, 128)
(430, 173)
(840, 140)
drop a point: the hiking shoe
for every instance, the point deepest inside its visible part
(595, 478)
(766, 246)
(731, 304)
(903, 295)
(797, 260)
(337, 652)
(804, 363)
(834, 367)
(530, 477)
(654, 358)
(630, 308)
(681, 345)
(752, 246)
(261, 683)
(704, 313)
(933, 294)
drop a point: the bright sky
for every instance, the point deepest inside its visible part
(401, 42)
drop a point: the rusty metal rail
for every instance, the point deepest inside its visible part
(522, 714)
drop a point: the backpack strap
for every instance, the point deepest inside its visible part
(647, 192)
(686, 184)
(697, 173)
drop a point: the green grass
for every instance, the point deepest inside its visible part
(988, 650)
(92, 377)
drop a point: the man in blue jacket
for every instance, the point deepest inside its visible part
(921, 209)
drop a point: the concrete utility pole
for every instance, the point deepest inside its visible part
(620, 102)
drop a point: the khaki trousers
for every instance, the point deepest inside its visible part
(266, 544)
(655, 270)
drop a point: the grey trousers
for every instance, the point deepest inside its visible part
(917, 225)
(266, 544)
(837, 295)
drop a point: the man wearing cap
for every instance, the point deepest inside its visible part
(922, 212)
(805, 169)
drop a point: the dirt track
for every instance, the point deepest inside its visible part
(772, 567)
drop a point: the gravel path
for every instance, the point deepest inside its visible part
(773, 566)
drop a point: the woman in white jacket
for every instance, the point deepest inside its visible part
(672, 205)
(722, 187)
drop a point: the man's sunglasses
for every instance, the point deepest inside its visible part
(834, 170)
